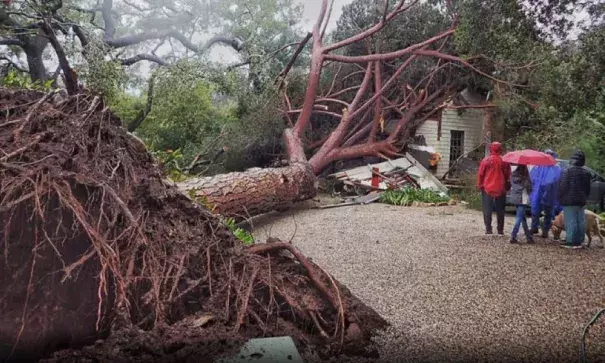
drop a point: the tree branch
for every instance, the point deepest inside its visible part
(280, 77)
(144, 112)
(11, 41)
(353, 139)
(13, 64)
(237, 65)
(140, 57)
(133, 39)
(452, 58)
(371, 31)
(333, 100)
(329, 113)
(337, 136)
(466, 107)
(383, 149)
(82, 36)
(378, 101)
(343, 91)
(110, 24)
(388, 56)
(314, 75)
(388, 84)
(71, 79)
(323, 31)
(413, 110)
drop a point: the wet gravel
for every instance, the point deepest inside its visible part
(449, 292)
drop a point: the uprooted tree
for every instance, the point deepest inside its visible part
(96, 245)
(404, 86)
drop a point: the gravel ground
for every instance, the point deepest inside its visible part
(449, 292)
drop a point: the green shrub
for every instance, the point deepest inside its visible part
(407, 196)
(14, 79)
(246, 237)
(472, 197)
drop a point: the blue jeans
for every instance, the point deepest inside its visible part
(548, 217)
(575, 225)
(520, 221)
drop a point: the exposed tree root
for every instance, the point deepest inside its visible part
(117, 256)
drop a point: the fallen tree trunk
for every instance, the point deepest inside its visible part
(256, 191)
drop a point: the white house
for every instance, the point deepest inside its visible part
(454, 132)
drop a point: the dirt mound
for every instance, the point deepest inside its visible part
(102, 260)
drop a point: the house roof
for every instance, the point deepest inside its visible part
(467, 98)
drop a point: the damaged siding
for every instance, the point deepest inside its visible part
(470, 121)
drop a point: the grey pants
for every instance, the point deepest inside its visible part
(491, 205)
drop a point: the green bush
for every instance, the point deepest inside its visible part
(15, 79)
(469, 193)
(472, 197)
(407, 196)
(246, 237)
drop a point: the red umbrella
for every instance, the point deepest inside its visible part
(529, 157)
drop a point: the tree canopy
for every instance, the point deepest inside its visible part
(150, 59)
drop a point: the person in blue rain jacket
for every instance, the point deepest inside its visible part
(543, 198)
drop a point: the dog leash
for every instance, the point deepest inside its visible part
(585, 331)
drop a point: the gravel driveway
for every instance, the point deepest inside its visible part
(449, 292)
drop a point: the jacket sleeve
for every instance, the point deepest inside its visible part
(562, 188)
(481, 174)
(528, 185)
(587, 183)
(507, 176)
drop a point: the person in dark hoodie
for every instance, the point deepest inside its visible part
(573, 191)
(493, 180)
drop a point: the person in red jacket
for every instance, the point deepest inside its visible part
(494, 181)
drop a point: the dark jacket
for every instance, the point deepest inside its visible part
(519, 184)
(574, 185)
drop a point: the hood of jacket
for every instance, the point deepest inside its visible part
(551, 153)
(495, 148)
(578, 159)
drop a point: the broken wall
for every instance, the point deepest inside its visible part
(470, 121)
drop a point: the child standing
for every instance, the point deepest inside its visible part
(520, 191)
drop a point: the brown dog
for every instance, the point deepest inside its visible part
(593, 226)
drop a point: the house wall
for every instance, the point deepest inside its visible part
(470, 121)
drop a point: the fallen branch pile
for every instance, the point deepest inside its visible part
(98, 252)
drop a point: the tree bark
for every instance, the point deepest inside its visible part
(256, 191)
(34, 48)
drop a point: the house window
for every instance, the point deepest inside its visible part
(456, 145)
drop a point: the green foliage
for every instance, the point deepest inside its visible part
(572, 102)
(246, 237)
(584, 130)
(258, 130)
(188, 112)
(170, 161)
(407, 196)
(127, 106)
(15, 79)
(469, 193)
(266, 26)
